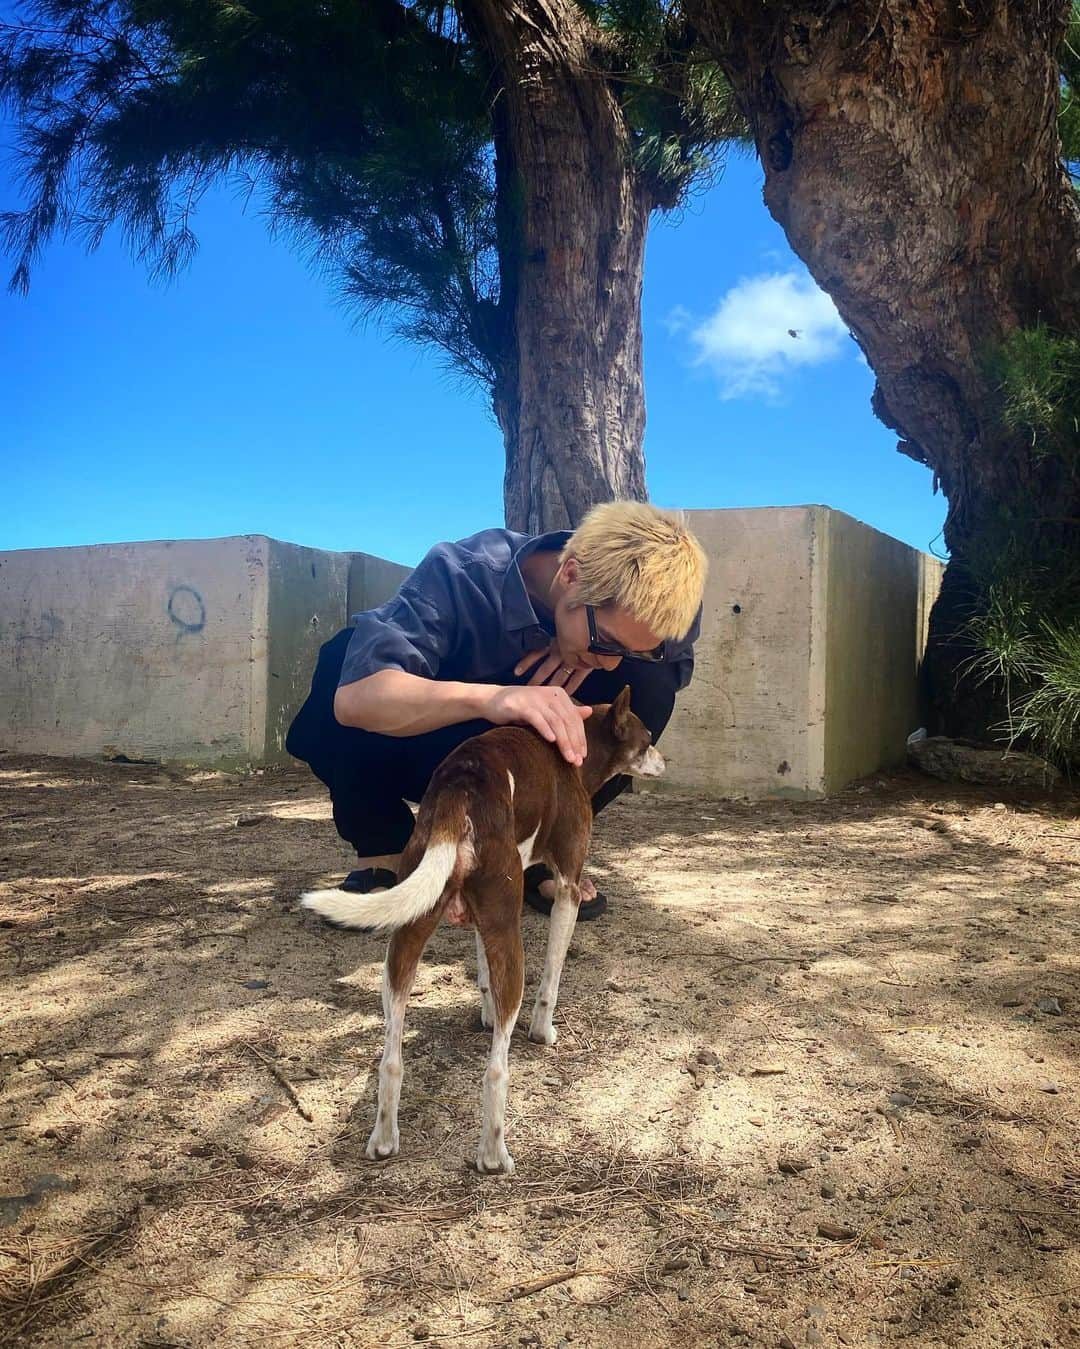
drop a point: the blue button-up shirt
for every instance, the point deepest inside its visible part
(465, 614)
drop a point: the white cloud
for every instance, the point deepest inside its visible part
(763, 328)
(678, 320)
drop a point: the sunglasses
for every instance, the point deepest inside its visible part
(602, 646)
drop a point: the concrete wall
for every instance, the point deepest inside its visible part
(807, 667)
(306, 606)
(196, 650)
(201, 651)
(879, 593)
(747, 724)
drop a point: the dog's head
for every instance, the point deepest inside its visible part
(620, 742)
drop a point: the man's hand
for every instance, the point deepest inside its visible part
(549, 711)
(552, 669)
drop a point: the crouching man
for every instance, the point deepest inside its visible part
(499, 628)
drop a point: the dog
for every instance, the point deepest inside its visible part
(497, 803)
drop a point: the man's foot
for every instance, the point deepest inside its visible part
(369, 881)
(540, 894)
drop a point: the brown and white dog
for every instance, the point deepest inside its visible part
(496, 804)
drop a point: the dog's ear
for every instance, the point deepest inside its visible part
(620, 714)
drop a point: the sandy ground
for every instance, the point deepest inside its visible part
(812, 1085)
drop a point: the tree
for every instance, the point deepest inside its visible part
(482, 170)
(912, 156)
(488, 168)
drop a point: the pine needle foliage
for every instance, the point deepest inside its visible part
(1023, 574)
(1069, 113)
(1038, 373)
(363, 128)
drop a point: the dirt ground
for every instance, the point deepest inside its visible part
(816, 1080)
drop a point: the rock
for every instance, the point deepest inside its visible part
(827, 1190)
(1049, 1087)
(813, 1335)
(1050, 1006)
(834, 1232)
(421, 1332)
(792, 1166)
(256, 983)
(954, 760)
(1013, 1002)
(243, 821)
(767, 1069)
(786, 1342)
(708, 1056)
(900, 1098)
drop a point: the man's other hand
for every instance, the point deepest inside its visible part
(551, 668)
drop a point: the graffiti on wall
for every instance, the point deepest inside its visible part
(187, 609)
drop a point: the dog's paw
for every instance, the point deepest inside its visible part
(494, 1160)
(382, 1145)
(543, 1033)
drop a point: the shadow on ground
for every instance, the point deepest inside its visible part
(816, 1079)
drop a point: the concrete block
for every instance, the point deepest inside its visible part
(807, 668)
(187, 650)
(372, 581)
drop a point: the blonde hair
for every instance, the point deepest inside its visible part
(642, 559)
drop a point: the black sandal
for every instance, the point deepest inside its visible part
(370, 878)
(536, 875)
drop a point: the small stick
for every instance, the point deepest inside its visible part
(548, 1281)
(280, 1078)
(896, 1264)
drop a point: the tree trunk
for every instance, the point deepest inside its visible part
(911, 156)
(572, 221)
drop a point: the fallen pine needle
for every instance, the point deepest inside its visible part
(280, 1078)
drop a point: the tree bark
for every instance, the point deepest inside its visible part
(572, 220)
(911, 156)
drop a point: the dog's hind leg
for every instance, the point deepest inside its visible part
(506, 969)
(402, 957)
(483, 981)
(564, 913)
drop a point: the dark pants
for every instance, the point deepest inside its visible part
(371, 776)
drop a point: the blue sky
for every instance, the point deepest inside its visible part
(240, 398)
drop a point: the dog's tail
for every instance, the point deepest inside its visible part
(449, 856)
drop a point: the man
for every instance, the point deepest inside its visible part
(497, 629)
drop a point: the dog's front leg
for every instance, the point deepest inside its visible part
(564, 912)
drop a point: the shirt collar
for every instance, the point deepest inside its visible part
(517, 607)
